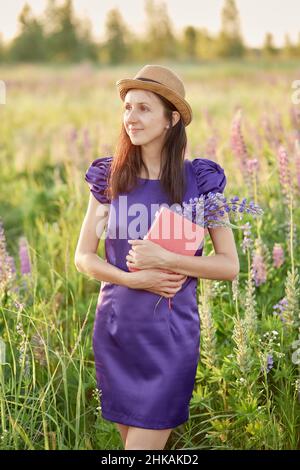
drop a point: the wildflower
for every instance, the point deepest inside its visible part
(284, 172)
(242, 349)
(250, 306)
(24, 256)
(259, 269)
(270, 362)
(252, 165)
(209, 344)
(238, 145)
(87, 144)
(7, 267)
(247, 241)
(235, 288)
(277, 255)
(207, 209)
(23, 356)
(297, 385)
(38, 348)
(211, 146)
(269, 132)
(279, 308)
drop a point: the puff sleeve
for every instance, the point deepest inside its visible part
(97, 178)
(210, 176)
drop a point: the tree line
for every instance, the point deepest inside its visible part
(60, 36)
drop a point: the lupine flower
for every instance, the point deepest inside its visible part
(209, 343)
(284, 171)
(38, 349)
(73, 135)
(250, 317)
(259, 269)
(238, 144)
(269, 133)
(279, 308)
(292, 293)
(235, 288)
(247, 240)
(252, 166)
(279, 131)
(23, 354)
(268, 345)
(7, 269)
(206, 209)
(24, 256)
(270, 362)
(72, 143)
(211, 147)
(242, 349)
(278, 255)
(86, 144)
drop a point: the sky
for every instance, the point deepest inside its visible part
(275, 16)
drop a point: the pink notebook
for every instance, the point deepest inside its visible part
(175, 233)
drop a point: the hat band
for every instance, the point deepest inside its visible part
(149, 80)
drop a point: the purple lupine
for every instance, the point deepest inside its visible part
(73, 135)
(24, 256)
(279, 309)
(72, 144)
(87, 144)
(259, 269)
(269, 134)
(279, 130)
(270, 362)
(284, 171)
(211, 147)
(238, 143)
(6, 268)
(206, 209)
(11, 262)
(247, 240)
(278, 255)
(252, 166)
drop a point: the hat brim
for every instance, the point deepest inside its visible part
(180, 103)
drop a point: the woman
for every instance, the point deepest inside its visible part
(146, 363)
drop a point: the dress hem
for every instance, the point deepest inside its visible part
(126, 420)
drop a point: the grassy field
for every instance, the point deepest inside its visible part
(54, 123)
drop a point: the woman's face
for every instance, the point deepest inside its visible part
(143, 111)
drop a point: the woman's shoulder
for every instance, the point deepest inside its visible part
(210, 175)
(97, 177)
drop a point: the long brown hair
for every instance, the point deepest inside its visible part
(127, 161)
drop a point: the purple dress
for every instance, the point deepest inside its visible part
(146, 358)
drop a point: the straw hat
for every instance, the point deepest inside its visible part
(163, 81)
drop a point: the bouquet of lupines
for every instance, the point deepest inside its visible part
(208, 210)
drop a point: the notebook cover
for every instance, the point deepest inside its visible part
(174, 232)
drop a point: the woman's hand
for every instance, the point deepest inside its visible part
(146, 254)
(156, 281)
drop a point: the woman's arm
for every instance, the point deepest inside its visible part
(222, 266)
(86, 259)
